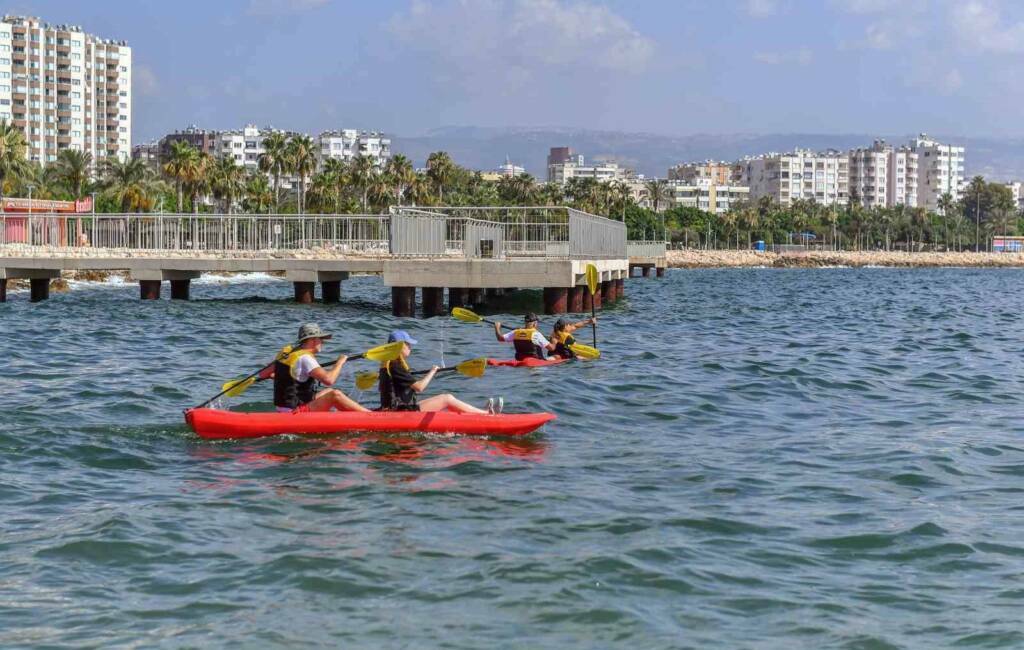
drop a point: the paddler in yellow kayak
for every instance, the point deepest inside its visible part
(562, 337)
(398, 386)
(296, 374)
(528, 341)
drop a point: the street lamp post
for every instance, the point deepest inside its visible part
(30, 188)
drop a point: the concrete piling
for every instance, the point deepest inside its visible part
(607, 292)
(305, 292)
(556, 300)
(3, 289)
(647, 271)
(433, 302)
(576, 299)
(620, 288)
(661, 272)
(148, 289)
(477, 296)
(457, 298)
(180, 289)
(330, 291)
(403, 301)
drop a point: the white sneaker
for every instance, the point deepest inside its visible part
(501, 404)
(490, 406)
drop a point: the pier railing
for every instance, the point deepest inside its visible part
(541, 232)
(638, 248)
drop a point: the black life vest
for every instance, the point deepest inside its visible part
(391, 398)
(562, 341)
(289, 392)
(522, 339)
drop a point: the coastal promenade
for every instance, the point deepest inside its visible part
(464, 254)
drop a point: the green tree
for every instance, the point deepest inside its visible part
(13, 151)
(183, 165)
(227, 181)
(361, 173)
(258, 196)
(302, 163)
(658, 192)
(440, 170)
(73, 170)
(276, 161)
(400, 175)
(130, 184)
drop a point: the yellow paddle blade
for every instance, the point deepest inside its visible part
(592, 278)
(236, 387)
(384, 352)
(473, 367)
(366, 380)
(465, 315)
(585, 351)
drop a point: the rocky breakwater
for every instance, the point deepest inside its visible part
(689, 259)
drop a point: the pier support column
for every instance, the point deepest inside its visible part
(556, 300)
(632, 267)
(3, 289)
(661, 271)
(576, 299)
(591, 299)
(304, 292)
(331, 291)
(620, 288)
(647, 271)
(457, 298)
(179, 289)
(607, 292)
(148, 289)
(433, 302)
(403, 301)
(476, 296)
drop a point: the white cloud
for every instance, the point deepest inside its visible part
(268, 7)
(762, 8)
(511, 44)
(979, 26)
(802, 57)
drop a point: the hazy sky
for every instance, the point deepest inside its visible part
(663, 66)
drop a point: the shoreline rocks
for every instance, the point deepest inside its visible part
(695, 259)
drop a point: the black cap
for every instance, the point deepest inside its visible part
(530, 317)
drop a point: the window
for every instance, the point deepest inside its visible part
(123, 93)
(76, 68)
(5, 61)
(123, 129)
(124, 105)
(5, 48)
(124, 68)
(5, 75)
(76, 134)
(76, 95)
(75, 56)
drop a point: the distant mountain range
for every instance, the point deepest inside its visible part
(652, 154)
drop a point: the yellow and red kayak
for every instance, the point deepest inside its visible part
(215, 424)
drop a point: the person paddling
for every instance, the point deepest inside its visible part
(562, 337)
(296, 374)
(528, 340)
(398, 386)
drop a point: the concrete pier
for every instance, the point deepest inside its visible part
(39, 289)
(433, 302)
(620, 288)
(556, 300)
(180, 289)
(149, 289)
(661, 271)
(3, 289)
(305, 292)
(330, 291)
(477, 296)
(403, 301)
(457, 298)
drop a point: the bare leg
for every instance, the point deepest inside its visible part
(448, 401)
(330, 398)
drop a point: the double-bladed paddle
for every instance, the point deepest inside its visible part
(471, 368)
(581, 351)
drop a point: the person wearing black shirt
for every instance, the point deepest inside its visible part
(399, 388)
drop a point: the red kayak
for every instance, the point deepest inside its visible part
(529, 362)
(214, 424)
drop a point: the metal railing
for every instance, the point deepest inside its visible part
(645, 248)
(542, 232)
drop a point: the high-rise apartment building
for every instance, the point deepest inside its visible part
(883, 176)
(716, 198)
(940, 170)
(716, 173)
(801, 174)
(66, 89)
(346, 144)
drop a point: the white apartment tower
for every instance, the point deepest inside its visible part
(940, 171)
(66, 89)
(883, 176)
(346, 144)
(800, 174)
(246, 144)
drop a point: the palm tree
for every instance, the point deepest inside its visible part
(258, 195)
(302, 162)
(73, 170)
(183, 166)
(418, 191)
(658, 192)
(400, 175)
(275, 161)
(440, 169)
(227, 181)
(361, 172)
(323, 192)
(946, 205)
(13, 150)
(199, 184)
(130, 183)
(551, 194)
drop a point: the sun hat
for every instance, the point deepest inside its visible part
(401, 335)
(312, 331)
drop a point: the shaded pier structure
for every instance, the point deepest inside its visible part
(452, 256)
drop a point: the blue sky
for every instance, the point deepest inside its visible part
(659, 66)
